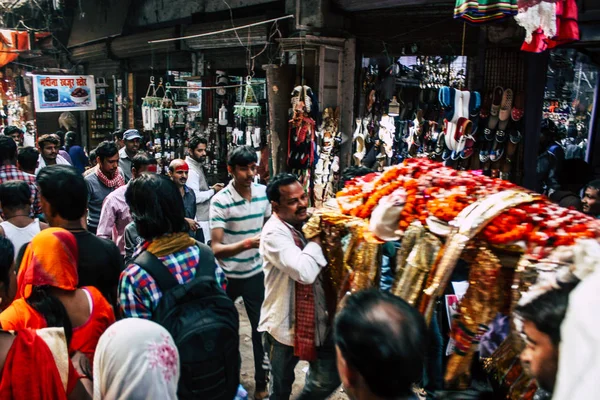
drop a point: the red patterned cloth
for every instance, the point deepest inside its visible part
(116, 182)
(305, 346)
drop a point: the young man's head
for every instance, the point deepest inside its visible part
(8, 276)
(107, 157)
(197, 148)
(541, 319)
(63, 194)
(49, 146)
(131, 139)
(381, 343)
(288, 199)
(15, 198)
(71, 139)
(142, 162)
(8, 151)
(178, 171)
(15, 133)
(591, 198)
(117, 137)
(156, 206)
(28, 159)
(241, 164)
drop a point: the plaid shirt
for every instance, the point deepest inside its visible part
(138, 293)
(10, 173)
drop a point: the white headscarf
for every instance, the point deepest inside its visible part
(136, 359)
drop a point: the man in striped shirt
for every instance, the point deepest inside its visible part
(237, 215)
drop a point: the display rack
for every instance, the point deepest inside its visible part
(102, 120)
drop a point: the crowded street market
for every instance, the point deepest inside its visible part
(299, 199)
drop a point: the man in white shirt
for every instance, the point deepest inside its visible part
(197, 182)
(294, 316)
(49, 146)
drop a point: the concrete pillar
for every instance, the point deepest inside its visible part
(280, 82)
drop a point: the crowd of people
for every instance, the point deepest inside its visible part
(117, 282)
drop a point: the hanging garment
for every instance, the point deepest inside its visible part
(547, 23)
(482, 11)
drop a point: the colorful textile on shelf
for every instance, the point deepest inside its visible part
(547, 23)
(482, 11)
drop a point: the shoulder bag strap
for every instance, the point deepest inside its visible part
(206, 266)
(157, 270)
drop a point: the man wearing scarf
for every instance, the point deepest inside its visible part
(104, 181)
(294, 315)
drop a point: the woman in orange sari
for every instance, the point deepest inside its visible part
(47, 288)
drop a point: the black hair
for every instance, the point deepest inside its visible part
(51, 308)
(28, 158)
(9, 130)
(65, 189)
(595, 184)
(7, 255)
(71, 139)
(118, 135)
(8, 149)
(92, 155)
(106, 150)
(279, 180)
(242, 156)
(384, 339)
(15, 194)
(61, 137)
(142, 159)
(195, 141)
(50, 138)
(156, 206)
(547, 311)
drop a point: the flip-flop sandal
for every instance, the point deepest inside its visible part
(449, 136)
(488, 134)
(468, 150)
(519, 108)
(484, 153)
(465, 103)
(515, 136)
(506, 106)
(450, 108)
(474, 104)
(495, 108)
(487, 104)
(497, 152)
(457, 105)
(464, 129)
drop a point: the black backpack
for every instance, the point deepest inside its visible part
(204, 324)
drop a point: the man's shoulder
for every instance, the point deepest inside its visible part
(222, 198)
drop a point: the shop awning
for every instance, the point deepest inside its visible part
(14, 43)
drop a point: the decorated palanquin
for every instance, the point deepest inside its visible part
(441, 215)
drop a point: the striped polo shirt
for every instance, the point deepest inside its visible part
(240, 219)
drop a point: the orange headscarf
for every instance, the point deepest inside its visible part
(50, 259)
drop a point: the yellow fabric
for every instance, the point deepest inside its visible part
(170, 244)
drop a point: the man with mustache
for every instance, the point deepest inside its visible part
(294, 316)
(178, 171)
(237, 215)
